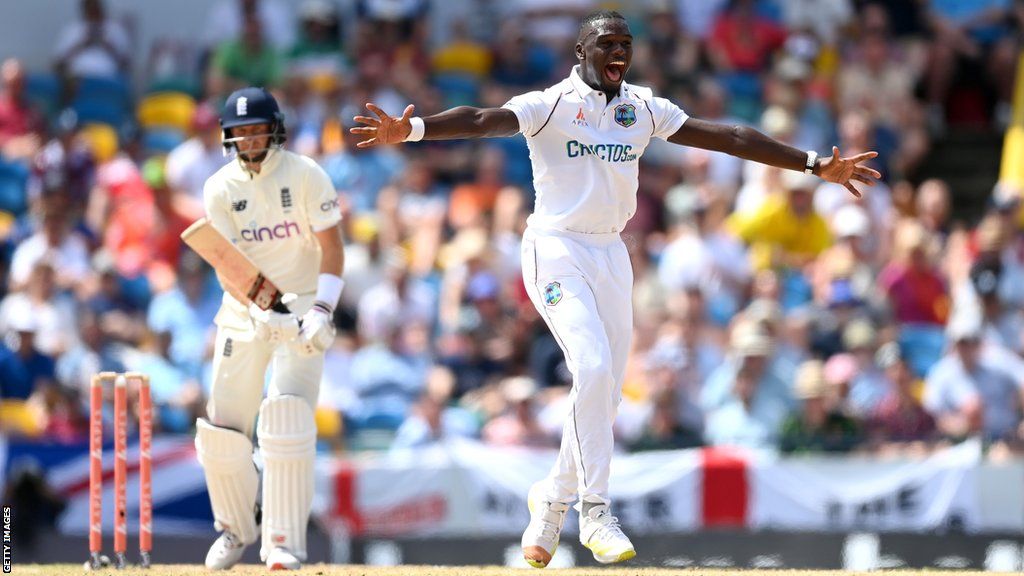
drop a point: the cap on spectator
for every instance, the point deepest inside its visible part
(850, 221)
(317, 11)
(985, 278)
(777, 121)
(965, 324)
(666, 354)
(518, 389)
(841, 293)
(859, 333)
(810, 380)
(1005, 196)
(204, 118)
(794, 180)
(791, 69)
(750, 339)
(840, 369)
(764, 310)
(888, 355)
(483, 286)
(22, 320)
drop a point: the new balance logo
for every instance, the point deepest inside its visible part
(580, 120)
(286, 198)
(239, 206)
(242, 106)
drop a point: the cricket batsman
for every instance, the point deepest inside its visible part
(586, 135)
(281, 210)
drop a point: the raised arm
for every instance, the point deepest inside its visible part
(750, 144)
(453, 124)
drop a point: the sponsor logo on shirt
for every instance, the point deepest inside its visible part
(625, 115)
(239, 206)
(270, 233)
(606, 152)
(329, 205)
(580, 120)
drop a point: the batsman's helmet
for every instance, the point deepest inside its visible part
(249, 106)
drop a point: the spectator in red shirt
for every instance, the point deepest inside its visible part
(742, 41)
(914, 285)
(19, 122)
(899, 416)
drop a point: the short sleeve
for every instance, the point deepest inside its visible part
(531, 109)
(321, 198)
(215, 211)
(668, 118)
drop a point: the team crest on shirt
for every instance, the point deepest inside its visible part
(580, 120)
(286, 199)
(552, 293)
(625, 115)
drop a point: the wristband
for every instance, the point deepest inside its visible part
(328, 289)
(812, 157)
(418, 129)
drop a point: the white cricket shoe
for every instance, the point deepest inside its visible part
(540, 540)
(281, 559)
(601, 533)
(225, 552)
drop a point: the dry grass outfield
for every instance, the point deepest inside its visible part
(330, 570)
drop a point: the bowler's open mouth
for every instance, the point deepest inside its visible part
(614, 70)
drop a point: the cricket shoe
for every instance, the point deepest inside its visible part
(601, 533)
(226, 551)
(540, 540)
(281, 559)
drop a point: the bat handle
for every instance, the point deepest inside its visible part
(280, 308)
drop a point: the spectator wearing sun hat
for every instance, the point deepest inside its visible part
(819, 426)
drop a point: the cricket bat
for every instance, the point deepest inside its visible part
(233, 266)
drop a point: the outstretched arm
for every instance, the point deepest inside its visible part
(453, 124)
(750, 144)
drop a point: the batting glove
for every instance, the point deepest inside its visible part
(273, 327)
(317, 332)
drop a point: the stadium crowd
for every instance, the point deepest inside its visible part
(772, 310)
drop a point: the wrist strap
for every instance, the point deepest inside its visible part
(812, 157)
(418, 129)
(328, 289)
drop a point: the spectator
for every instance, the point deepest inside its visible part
(819, 426)
(93, 47)
(25, 369)
(183, 316)
(916, 290)
(519, 425)
(65, 249)
(899, 417)
(193, 161)
(785, 232)
(246, 61)
(20, 123)
(226, 20)
(755, 403)
(53, 314)
(976, 389)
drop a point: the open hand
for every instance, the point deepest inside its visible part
(847, 170)
(383, 129)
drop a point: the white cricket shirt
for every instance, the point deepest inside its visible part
(586, 152)
(271, 217)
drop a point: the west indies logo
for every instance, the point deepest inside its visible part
(625, 115)
(552, 293)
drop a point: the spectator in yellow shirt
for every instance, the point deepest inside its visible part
(784, 232)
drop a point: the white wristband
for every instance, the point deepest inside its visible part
(328, 289)
(812, 157)
(418, 129)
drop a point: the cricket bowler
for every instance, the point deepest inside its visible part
(586, 135)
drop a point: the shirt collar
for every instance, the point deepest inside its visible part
(583, 88)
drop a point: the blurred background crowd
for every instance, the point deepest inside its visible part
(772, 310)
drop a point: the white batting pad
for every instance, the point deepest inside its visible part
(231, 478)
(287, 436)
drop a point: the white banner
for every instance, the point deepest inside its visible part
(850, 493)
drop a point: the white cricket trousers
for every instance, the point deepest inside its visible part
(239, 372)
(582, 285)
